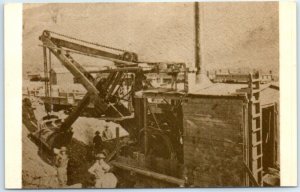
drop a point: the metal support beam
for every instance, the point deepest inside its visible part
(119, 61)
(79, 72)
(71, 67)
(75, 113)
(85, 72)
(115, 82)
(84, 49)
(125, 70)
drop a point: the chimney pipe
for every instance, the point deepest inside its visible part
(197, 42)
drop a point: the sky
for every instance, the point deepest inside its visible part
(233, 34)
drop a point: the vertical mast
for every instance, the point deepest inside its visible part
(46, 72)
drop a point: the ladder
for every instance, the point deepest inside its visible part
(255, 128)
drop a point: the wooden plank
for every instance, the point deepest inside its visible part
(210, 100)
(214, 111)
(212, 119)
(251, 176)
(145, 126)
(215, 131)
(150, 174)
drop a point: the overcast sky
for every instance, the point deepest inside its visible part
(233, 35)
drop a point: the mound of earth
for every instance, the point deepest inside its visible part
(38, 170)
(36, 173)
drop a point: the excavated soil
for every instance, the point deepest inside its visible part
(38, 170)
(36, 173)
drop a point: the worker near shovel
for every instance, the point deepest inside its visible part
(97, 143)
(61, 162)
(107, 134)
(98, 169)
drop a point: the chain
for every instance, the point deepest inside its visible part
(88, 42)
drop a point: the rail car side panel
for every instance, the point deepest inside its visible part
(213, 141)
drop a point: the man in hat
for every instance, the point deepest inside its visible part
(97, 142)
(107, 134)
(61, 163)
(98, 169)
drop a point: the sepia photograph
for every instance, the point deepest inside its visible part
(150, 95)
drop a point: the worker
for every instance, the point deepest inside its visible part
(107, 134)
(97, 142)
(100, 170)
(61, 163)
(173, 71)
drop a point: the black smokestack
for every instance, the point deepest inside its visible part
(197, 39)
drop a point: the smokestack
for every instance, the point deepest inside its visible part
(197, 43)
(198, 80)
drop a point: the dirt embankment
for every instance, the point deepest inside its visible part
(38, 170)
(36, 173)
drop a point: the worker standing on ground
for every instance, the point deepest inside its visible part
(97, 143)
(100, 171)
(107, 134)
(61, 163)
